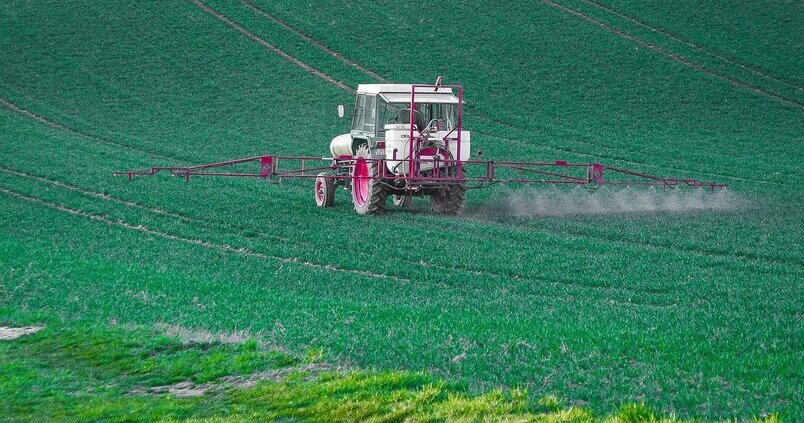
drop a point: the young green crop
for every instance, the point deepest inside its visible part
(694, 312)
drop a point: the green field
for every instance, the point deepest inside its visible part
(696, 311)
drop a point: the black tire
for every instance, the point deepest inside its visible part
(402, 201)
(324, 191)
(449, 201)
(369, 195)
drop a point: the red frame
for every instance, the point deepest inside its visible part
(592, 174)
(418, 140)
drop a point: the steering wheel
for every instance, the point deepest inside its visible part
(428, 127)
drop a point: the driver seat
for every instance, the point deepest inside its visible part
(404, 117)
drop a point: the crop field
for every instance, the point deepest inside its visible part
(687, 301)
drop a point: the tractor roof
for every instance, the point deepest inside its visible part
(401, 93)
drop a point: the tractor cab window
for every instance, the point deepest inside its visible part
(357, 117)
(441, 116)
(370, 114)
(444, 113)
(365, 116)
(389, 113)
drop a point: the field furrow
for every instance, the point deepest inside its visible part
(201, 242)
(674, 57)
(706, 50)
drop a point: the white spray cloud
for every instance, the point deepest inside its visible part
(561, 201)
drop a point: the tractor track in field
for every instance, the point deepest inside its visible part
(505, 275)
(102, 196)
(710, 52)
(221, 225)
(250, 4)
(131, 204)
(476, 271)
(194, 241)
(329, 267)
(83, 135)
(254, 37)
(670, 55)
(55, 125)
(373, 74)
(224, 225)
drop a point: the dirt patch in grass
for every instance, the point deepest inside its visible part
(202, 336)
(11, 333)
(190, 389)
(181, 389)
(310, 371)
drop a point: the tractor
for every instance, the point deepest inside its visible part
(406, 141)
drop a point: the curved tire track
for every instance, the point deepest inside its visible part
(130, 204)
(467, 269)
(194, 241)
(250, 4)
(329, 267)
(254, 37)
(702, 49)
(252, 253)
(672, 56)
(603, 289)
(55, 125)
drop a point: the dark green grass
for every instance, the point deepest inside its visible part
(696, 313)
(759, 35)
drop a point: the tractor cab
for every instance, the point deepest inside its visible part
(382, 116)
(406, 140)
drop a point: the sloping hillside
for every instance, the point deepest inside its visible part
(695, 311)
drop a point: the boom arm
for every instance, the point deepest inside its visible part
(479, 172)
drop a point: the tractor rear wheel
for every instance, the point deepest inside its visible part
(369, 195)
(324, 191)
(449, 201)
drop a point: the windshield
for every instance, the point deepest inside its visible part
(445, 115)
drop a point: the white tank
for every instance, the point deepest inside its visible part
(466, 144)
(396, 139)
(341, 145)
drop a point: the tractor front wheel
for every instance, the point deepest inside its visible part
(449, 201)
(402, 201)
(369, 195)
(324, 191)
